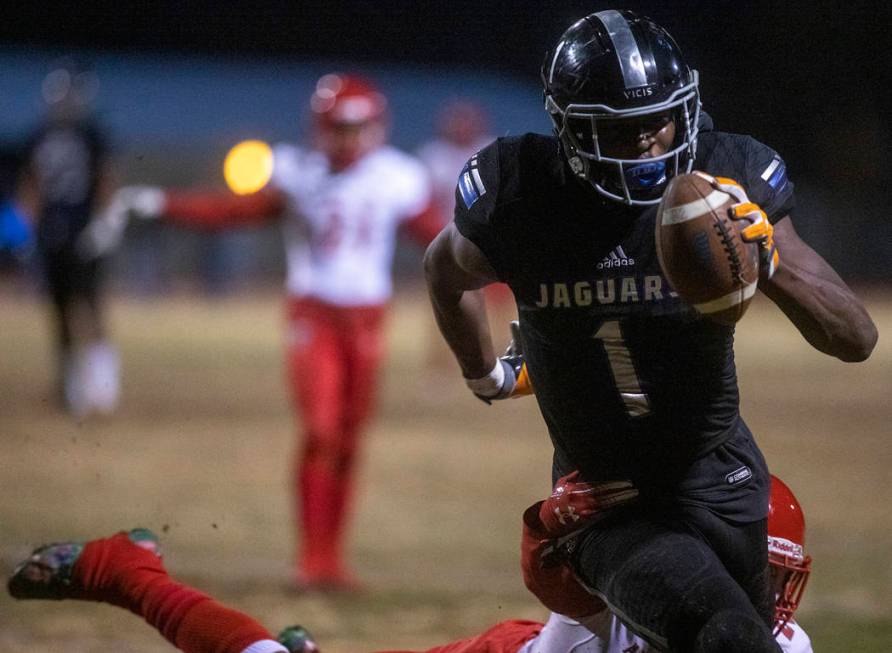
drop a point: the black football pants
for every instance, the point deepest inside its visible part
(684, 579)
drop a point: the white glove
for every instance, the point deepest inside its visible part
(509, 378)
(104, 232)
(145, 202)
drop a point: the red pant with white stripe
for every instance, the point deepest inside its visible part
(333, 356)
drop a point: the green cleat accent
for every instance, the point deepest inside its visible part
(46, 574)
(297, 639)
(145, 539)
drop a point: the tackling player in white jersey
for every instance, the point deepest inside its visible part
(342, 202)
(591, 627)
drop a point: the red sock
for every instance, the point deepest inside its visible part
(116, 571)
(338, 517)
(317, 489)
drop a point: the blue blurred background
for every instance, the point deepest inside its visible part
(180, 83)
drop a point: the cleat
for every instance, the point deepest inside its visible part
(47, 573)
(297, 639)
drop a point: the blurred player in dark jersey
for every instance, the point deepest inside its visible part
(126, 570)
(16, 236)
(65, 180)
(631, 381)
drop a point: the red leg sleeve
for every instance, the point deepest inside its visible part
(116, 571)
(316, 370)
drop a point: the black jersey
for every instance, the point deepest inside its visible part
(630, 380)
(65, 159)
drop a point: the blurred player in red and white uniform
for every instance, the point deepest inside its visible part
(343, 202)
(462, 130)
(126, 570)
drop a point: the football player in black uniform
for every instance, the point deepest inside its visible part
(631, 381)
(65, 180)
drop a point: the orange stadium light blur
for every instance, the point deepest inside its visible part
(248, 166)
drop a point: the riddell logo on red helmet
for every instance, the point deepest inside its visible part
(785, 547)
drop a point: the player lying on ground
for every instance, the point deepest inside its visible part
(126, 570)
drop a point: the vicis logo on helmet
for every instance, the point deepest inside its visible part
(645, 91)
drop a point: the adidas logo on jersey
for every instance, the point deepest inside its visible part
(616, 259)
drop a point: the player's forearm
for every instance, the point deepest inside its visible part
(425, 226)
(210, 210)
(105, 187)
(453, 283)
(462, 320)
(827, 313)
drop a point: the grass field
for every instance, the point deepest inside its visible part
(200, 451)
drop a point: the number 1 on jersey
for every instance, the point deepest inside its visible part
(624, 375)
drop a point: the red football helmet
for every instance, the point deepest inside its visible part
(788, 564)
(348, 117)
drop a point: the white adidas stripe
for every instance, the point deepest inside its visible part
(695, 209)
(478, 182)
(729, 300)
(770, 169)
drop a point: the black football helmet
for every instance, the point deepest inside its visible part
(69, 88)
(613, 65)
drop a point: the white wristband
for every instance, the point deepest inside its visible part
(489, 385)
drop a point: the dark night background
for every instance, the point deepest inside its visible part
(810, 79)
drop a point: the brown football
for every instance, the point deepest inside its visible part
(701, 250)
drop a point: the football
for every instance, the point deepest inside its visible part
(701, 250)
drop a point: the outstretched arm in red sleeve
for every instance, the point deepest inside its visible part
(425, 226)
(221, 210)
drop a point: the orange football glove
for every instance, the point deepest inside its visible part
(760, 230)
(523, 387)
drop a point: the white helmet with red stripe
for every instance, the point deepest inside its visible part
(788, 564)
(349, 116)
